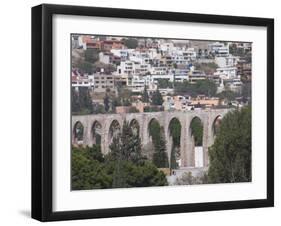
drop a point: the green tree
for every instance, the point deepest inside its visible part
(91, 55)
(247, 91)
(130, 168)
(164, 83)
(230, 155)
(160, 158)
(208, 68)
(132, 175)
(228, 95)
(75, 105)
(131, 43)
(204, 87)
(86, 170)
(157, 98)
(85, 99)
(85, 67)
(145, 175)
(81, 101)
(126, 146)
(98, 109)
(91, 170)
(145, 96)
(106, 102)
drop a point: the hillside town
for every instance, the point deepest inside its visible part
(129, 75)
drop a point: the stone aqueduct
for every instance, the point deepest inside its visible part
(187, 154)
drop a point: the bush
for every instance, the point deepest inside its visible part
(188, 179)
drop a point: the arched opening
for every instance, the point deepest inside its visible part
(175, 134)
(216, 125)
(78, 133)
(96, 133)
(154, 129)
(114, 130)
(196, 133)
(135, 126)
(158, 144)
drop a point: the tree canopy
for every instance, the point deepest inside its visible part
(230, 155)
(145, 96)
(131, 43)
(157, 98)
(81, 101)
(160, 157)
(164, 83)
(124, 166)
(91, 55)
(126, 146)
(204, 87)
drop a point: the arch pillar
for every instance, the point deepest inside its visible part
(206, 139)
(169, 144)
(87, 139)
(144, 134)
(184, 143)
(190, 153)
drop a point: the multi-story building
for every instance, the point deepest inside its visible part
(226, 72)
(235, 85)
(122, 53)
(196, 75)
(108, 45)
(244, 69)
(141, 68)
(181, 74)
(219, 49)
(79, 80)
(126, 67)
(104, 83)
(176, 103)
(159, 70)
(137, 84)
(228, 61)
(109, 58)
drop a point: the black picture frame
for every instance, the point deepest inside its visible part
(42, 107)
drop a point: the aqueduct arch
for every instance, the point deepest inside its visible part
(78, 133)
(174, 139)
(134, 124)
(107, 125)
(96, 132)
(216, 125)
(195, 132)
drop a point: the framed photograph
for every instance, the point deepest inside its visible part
(146, 112)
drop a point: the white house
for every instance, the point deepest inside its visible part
(219, 49)
(226, 72)
(126, 67)
(228, 61)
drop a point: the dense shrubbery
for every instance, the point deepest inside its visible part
(204, 87)
(124, 166)
(188, 179)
